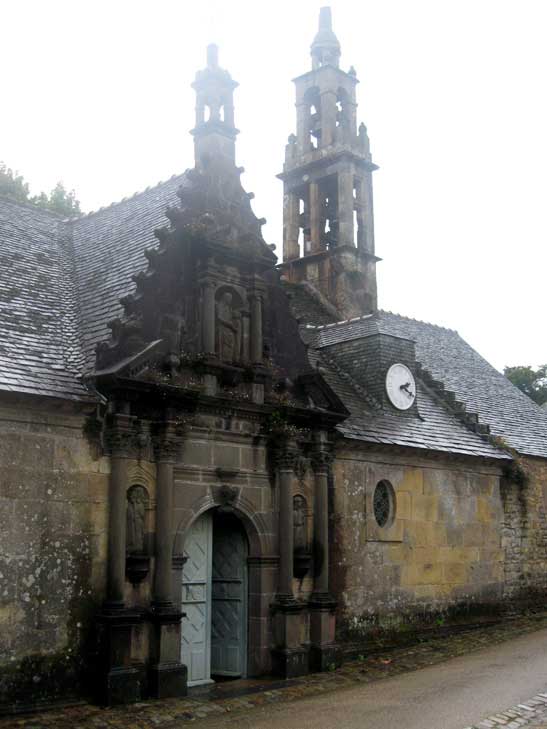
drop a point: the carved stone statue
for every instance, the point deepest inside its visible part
(137, 500)
(228, 327)
(300, 523)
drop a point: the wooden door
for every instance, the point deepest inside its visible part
(229, 598)
(196, 601)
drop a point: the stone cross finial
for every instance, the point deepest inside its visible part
(212, 55)
(325, 18)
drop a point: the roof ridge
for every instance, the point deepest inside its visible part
(338, 323)
(418, 321)
(358, 388)
(125, 199)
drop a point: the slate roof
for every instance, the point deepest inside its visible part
(443, 353)
(40, 349)
(61, 283)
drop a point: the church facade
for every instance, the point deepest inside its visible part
(215, 464)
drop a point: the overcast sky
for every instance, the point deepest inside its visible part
(453, 92)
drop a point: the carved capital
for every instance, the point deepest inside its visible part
(321, 460)
(122, 436)
(167, 439)
(286, 457)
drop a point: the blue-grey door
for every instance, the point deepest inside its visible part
(229, 598)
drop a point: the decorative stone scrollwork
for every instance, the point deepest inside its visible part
(227, 497)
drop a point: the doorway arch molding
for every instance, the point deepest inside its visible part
(254, 524)
(262, 571)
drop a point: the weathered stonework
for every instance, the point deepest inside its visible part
(442, 551)
(53, 506)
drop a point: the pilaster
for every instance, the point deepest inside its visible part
(121, 681)
(289, 657)
(322, 606)
(167, 675)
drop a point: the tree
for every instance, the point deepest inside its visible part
(60, 201)
(13, 185)
(532, 382)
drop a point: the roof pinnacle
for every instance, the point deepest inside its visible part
(325, 49)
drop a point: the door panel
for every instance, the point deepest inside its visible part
(229, 599)
(196, 594)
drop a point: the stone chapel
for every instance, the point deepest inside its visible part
(215, 463)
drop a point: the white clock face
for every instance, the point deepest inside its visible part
(400, 386)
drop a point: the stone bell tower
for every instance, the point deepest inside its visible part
(328, 229)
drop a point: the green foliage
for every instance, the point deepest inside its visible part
(12, 184)
(531, 382)
(59, 200)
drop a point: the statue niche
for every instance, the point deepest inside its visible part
(229, 327)
(137, 560)
(137, 501)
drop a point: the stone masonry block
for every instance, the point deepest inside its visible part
(425, 508)
(226, 455)
(403, 505)
(458, 554)
(486, 510)
(455, 573)
(425, 555)
(198, 454)
(253, 458)
(421, 574)
(413, 481)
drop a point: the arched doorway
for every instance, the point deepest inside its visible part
(215, 598)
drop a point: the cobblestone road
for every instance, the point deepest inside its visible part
(533, 713)
(175, 713)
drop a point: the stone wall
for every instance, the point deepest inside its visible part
(443, 550)
(524, 532)
(53, 490)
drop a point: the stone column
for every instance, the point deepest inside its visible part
(322, 606)
(256, 328)
(291, 226)
(290, 658)
(321, 523)
(119, 679)
(208, 316)
(164, 528)
(167, 677)
(302, 131)
(328, 117)
(315, 217)
(285, 471)
(345, 208)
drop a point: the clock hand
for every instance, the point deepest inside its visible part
(405, 387)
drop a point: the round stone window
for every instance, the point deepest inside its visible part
(384, 504)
